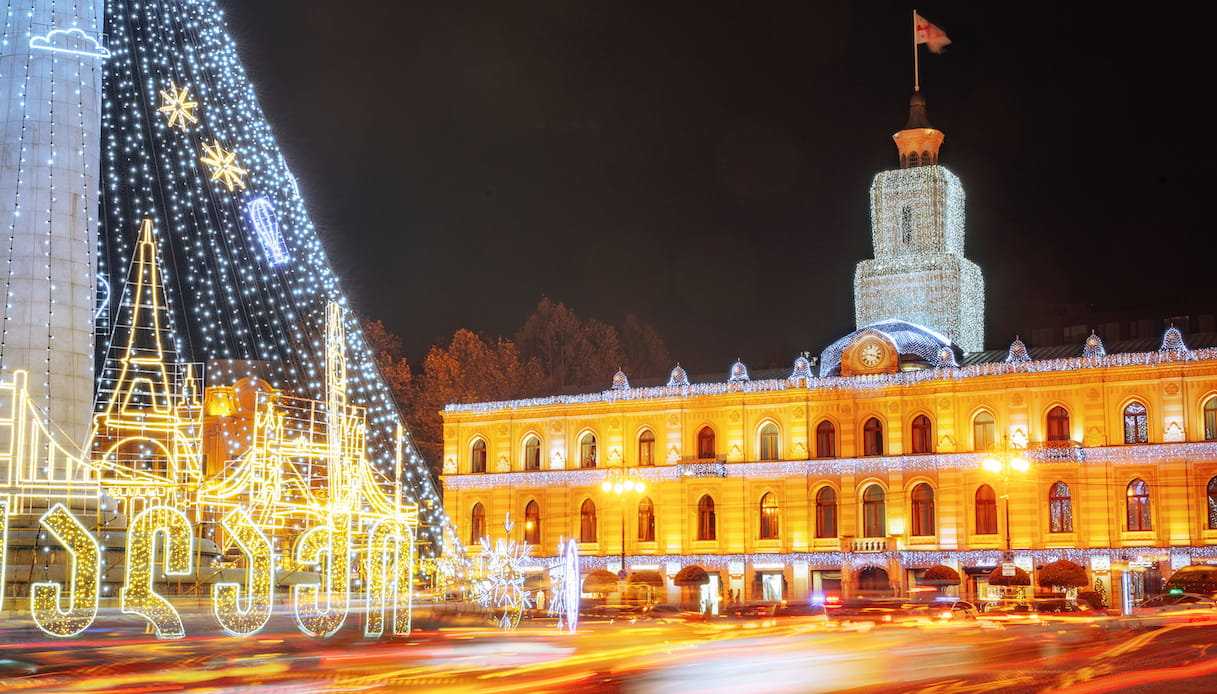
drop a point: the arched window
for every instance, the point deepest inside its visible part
(477, 524)
(769, 516)
(477, 457)
(986, 510)
(1213, 504)
(587, 521)
(923, 510)
(923, 436)
(1058, 424)
(646, 520)
(1210, 419)
(532, 453)
(872, 437)
(984, 431)
(532, 523)
(914, 159)
(769, 442)
(706, 524)
(926, 159)
(826, 440)
(1060, 509)
(646, 448)
(1136, 424)
(587, 450)
(826, 512)
(874, 512)
(705, 443)
(1138, 506)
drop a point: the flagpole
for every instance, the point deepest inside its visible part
(916, 67)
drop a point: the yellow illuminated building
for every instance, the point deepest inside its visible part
(897, 451)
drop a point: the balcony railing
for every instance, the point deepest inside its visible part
(1056, 452)
(703, 467)
(866, 544)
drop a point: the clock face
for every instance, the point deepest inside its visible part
(871, 354)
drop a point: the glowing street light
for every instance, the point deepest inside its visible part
(621, 482)
(1001, 459)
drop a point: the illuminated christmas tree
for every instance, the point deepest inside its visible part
(185, 144)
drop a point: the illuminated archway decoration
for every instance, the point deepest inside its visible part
(390, 566)
(321, 608)
(245, 617)
(139, 595)
(84, 579)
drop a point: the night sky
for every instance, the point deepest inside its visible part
(705, 165)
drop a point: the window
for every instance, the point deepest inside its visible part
(872, 437)
(1136, 424)
(532, 453)
(984, 431)
(1213, 504)
(923, 437)
(1210, 419)
(769, 516)
(587, 521)
(826, 512)
(1060, 509)
(1058, 424)
(923, 510)
(646, 520)
(646, 448)
(826, 440)
(477, 459)
(587, 450)
(477, 524)
(1138, 506)
(705, 443)
(706, 526)
(532, 523)
(914, 159)
(986, 510)
(769, 442)
(874, 512)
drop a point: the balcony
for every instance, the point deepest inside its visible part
(1056, 452)
(703, 467)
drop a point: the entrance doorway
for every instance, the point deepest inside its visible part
(710, 596)
(873, 582)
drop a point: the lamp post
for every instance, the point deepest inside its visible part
(1000, 459)
(621, 482)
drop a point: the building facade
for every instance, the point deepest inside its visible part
(908, 448)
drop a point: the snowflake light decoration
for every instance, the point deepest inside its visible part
(502, 585)
(223, 166)
(564, 580)
(178, 106)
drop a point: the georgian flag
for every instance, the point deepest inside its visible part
(924, 32)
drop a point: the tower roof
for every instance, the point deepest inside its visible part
(919, 141)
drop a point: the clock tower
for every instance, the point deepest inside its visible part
(919, 273)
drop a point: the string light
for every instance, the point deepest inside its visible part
(246, 617)
(389, 570)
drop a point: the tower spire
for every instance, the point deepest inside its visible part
(919, 141)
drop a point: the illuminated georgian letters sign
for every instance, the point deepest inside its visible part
(252, 498)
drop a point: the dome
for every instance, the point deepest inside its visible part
(802, 368)
(620, 382)
(739, 372)
(1018, 351)
(910, 340)
(1094, 346)
(678, 377)
(1172, 341)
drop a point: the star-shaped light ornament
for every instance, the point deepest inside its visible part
(178, 106)
(223, 166)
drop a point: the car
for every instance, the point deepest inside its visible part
(1197, 579)
(673, 613)
(1174, 608)
(1039, 611)
(873, 611)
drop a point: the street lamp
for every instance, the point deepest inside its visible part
(1000, 459)
(621, 482)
